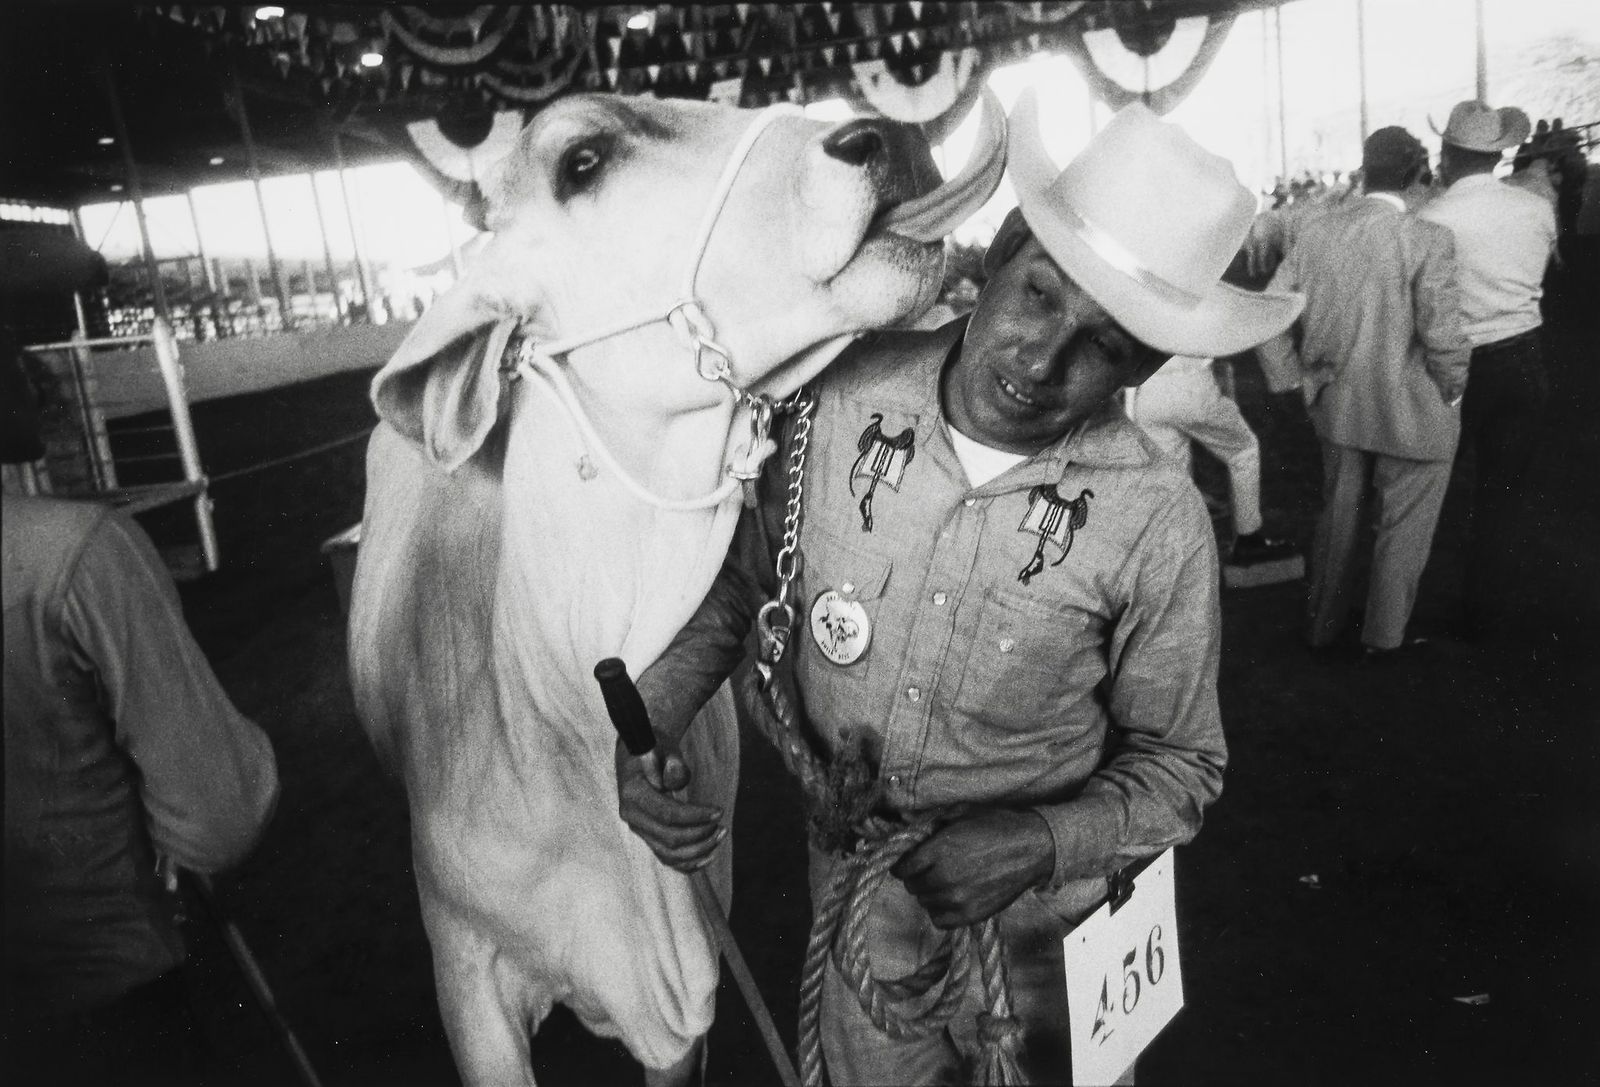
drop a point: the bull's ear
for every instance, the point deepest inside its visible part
(442, 387)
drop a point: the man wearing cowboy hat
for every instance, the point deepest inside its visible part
(1504, 235)
(1007, 601)
(1383, 366)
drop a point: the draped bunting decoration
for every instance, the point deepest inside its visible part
(466, 156)
(1133, 50)
(1045, 13)
(927, 102)
(911, 61)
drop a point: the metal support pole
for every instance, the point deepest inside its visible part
(450, 236)
(96, 442)
(136, 190)
(285, 307)
(1283, 137)
(1361, 62)
(350, 220)
(327, 250)
(77, 296)
(205, 266)
(167, 358)
(1482, 54)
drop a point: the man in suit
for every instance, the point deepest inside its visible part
(1383, 366)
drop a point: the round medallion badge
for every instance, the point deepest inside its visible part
(840, 627)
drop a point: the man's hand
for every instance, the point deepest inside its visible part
(683, 835)
(977, 866)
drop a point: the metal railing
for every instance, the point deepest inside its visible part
(80, 459)
(216, 299)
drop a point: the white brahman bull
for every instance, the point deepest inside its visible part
(667, 262)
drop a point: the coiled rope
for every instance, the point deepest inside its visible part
(840, 797)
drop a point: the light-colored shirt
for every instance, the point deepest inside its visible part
(981, 462)
(1503, 235)
(1047, 639)
(119, 744)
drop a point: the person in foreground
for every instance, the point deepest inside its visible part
(120, 747)
(1007, 604)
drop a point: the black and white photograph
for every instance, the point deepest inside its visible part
(822, 544)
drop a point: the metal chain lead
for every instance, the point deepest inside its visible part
(772, 631)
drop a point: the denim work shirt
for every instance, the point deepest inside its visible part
(1085, 689)
(119, 743)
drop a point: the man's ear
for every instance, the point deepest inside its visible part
(1012, 236)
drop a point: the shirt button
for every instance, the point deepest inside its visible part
(914, 694)
(939, 599)
(1007, 644)
(894, 779)
(848, 587)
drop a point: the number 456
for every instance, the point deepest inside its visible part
(1155, 967)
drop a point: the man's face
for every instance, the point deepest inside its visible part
(1040, 356)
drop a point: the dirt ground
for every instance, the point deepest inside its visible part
(1393, 840)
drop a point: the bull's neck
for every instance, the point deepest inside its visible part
(588, 569)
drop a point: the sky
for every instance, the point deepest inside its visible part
(1419, 61)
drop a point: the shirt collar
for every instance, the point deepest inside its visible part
(1107, 439)
(1393, 199)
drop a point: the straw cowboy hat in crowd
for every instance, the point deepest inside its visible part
(1146, 221)
(1476, 126)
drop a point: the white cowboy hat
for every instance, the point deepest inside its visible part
(1146, 221)
(1476, 126)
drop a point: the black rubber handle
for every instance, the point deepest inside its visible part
(628, 715)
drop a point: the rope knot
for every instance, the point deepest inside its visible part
(839, 811)
(999, 1030)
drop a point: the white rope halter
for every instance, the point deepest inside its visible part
(688, 317)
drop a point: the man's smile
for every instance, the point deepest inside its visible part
(1017, 394)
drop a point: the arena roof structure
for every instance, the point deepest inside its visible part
(183, 91)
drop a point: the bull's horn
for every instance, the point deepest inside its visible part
(929, 218)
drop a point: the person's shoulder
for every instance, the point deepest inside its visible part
(1161, 479)
(887, 359)
(46, 538)
(57, 527)
(1330, 227)
(1429, 231)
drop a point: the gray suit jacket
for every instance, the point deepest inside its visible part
(1383, 353)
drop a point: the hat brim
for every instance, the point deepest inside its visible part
(1223, 320)
(1515, 129)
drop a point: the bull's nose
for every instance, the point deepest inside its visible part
(855, 142)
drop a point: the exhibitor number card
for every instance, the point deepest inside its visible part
(1124, 981)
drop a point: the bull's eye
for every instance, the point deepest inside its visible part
(580, 166)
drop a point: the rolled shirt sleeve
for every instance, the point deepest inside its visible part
(1167, 747)
(208, 777)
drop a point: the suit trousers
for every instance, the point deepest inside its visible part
(1186, 405)
(1409, 496)
(1501, 421)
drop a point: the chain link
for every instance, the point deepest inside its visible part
(797, 489)
(775, 621)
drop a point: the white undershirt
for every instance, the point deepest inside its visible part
(981, 462)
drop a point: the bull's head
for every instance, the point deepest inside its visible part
(608, 211)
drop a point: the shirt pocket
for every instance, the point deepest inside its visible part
(859, 579)
(1031, 661)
